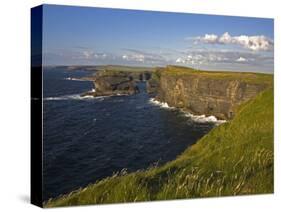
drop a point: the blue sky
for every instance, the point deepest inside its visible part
(98, 36)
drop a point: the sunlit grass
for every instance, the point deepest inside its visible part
(248, 77)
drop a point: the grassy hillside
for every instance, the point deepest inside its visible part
(234, 158)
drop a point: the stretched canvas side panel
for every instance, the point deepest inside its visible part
(36, 105)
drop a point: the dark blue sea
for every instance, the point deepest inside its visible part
(87, 139)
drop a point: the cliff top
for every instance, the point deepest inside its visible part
(249, 77)
(115, 68)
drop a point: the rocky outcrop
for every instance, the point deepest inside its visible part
(140, 76)
(115, 82)
(209, 94)
(152, 85)
(108, 84)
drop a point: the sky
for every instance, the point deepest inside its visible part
(99, 36)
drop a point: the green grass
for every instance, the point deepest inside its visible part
(157, 73)
(234, 158)
(249, 77)
(114, 68)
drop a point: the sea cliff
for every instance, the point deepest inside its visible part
(207, 92)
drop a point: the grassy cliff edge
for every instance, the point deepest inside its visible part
(234, 158)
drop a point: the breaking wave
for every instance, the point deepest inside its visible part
(160, 104)
(74, 79)
(204, 118)
(73, 97)
(196, 118)
(79, 97)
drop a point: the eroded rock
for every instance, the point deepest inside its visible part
(108, 84)
(205, 94)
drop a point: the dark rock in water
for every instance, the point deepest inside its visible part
(113, 83)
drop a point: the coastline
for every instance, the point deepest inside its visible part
(200, 159)
(199, 165)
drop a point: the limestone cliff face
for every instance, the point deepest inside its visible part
(207, 95)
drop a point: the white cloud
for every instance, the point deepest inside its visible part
(134, 57)
(192, 59)
(100, 55)
(218, 59)
(180, 60)
(225, 38)
(223, 57)
(125, 57)
(87, 54)
(209, 38)
(139, 56)
(255, 43)
(241, 59)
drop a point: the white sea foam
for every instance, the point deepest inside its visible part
(79, 97)
(204, 118)
(71, 97)
(53, 98)
(74, 79)
(160, 104)
(196, 118)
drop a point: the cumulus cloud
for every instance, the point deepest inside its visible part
(125, 57)
(209, 38)
(241, 59)
(201, 57)
(208, 57)
(88, 55)
(139, 56)
(134, 57)
(191, 59)
(180, 60)
(219, 59)
(255, 43)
